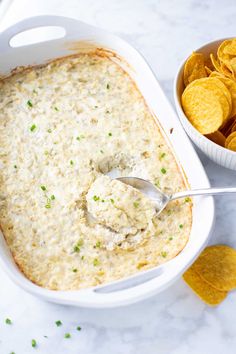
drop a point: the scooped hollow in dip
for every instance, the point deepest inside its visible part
(63, 125)
(122, 208)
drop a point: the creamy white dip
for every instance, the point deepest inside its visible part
(63, 127)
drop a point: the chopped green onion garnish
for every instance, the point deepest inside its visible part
(164, 254)
(79, 137)
(163, 170)
(33, 343)
(136, 204)
(78, 245)
(157, 184)
(43, 188)
(67, 335)
(170, 238)
(76, 248)
(96, 262)
(74, 270)
(15, 166)
(98, 244)
(48, 206)
(29, 103)
(187, 200)
(8, 321)
(49, 130)
(109, 134)
(58, 323)
(96, 198)
(80, 242)
(108, 86)
(33, 127)
(56, 109)
(53, 197)
(78, 328)
(71, 162)
(112, 201)
(181, 226)
(101, 151)
(162, 155)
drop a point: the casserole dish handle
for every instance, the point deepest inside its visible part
(70, 26)
(124, 291)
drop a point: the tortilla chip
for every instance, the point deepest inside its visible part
(232, 144)
(229, 138)
(217, 267)
(226, 52)
(206, 292)
(219, 89)
(203, 109)
(231, 86)
(215, 63)
(194, 68)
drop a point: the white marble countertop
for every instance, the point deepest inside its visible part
(175, 321)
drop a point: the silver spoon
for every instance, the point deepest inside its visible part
(162, 199)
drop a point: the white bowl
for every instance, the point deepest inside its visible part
(217, 153)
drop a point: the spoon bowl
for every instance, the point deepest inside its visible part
(147, 188)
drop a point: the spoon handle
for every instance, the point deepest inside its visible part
(206, 191)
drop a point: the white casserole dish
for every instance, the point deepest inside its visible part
(150, 282)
